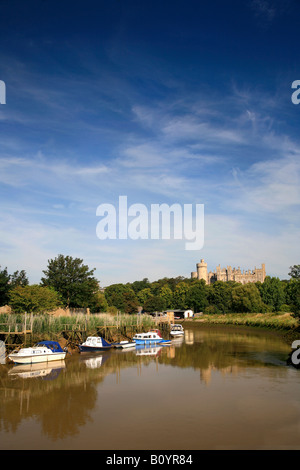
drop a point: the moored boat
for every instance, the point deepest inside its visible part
(94, 343)
(176, 330)
(125, 344)
(44, 351)
(151, 337)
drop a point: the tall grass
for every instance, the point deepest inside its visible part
(44, 324)
(284, 321)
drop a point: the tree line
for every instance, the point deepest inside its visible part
(69, 283)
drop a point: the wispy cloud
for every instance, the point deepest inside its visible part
(129, 123)
(264, 8)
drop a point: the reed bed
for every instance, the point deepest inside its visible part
(48, 324)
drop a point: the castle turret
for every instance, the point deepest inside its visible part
(202, 270)
(263, 267)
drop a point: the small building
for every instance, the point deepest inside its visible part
(181, 314)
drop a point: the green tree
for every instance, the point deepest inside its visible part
(73, 280)
(272, 292)
(98, 303)
(292, 290)
(35, 299)
(220, 296)
(131, 302)
(9, 281)
(154, 304)
(167, 282)
(137, 286)
(19, 278)
(122, 297)
(295, 271)
(196, 296)
(246, 298)
(166, 294)
(4, 286)
(180, 295)
(293, 295)
(143, 295)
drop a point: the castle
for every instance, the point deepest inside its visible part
(228, 274)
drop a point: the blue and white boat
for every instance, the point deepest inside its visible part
(152, 337)
(94, 343)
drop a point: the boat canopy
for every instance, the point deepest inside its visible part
(53, 345)
(97, 341)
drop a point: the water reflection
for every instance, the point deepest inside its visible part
(148, 350)
(94, 360)
(49, 371)
(66, 403)
(2, 352)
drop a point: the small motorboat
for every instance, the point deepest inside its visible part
(125, 344)
(152, 337)
(94, 343)
(44, 351)
(176, 330)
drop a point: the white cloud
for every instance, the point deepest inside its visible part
(270, 186)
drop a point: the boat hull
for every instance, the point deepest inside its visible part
(93, 348)
(147, 341)
(125, 344)
(37, 358)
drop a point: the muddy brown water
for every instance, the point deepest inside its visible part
(216, 388)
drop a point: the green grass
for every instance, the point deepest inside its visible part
(277, 321)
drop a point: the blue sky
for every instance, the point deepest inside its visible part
(183, 102)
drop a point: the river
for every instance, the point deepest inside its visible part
(217, 388)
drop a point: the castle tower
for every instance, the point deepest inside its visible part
(263, 267)
(202, 270)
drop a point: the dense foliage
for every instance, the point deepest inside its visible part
(9, 282)
(73, 280)
(35, 299)
(273, 295)
(70, 283)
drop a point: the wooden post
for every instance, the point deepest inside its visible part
(25, 328)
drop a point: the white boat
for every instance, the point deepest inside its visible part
(94, 343)
(125, 344)
(152, 337)
(176, 330)
(44, 351)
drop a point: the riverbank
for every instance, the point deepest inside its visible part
(16, 331)
(283, 323)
